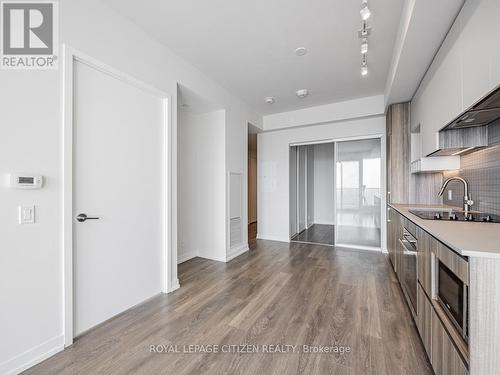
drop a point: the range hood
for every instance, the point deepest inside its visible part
(470, 131)
(485, 112)
(462, 141)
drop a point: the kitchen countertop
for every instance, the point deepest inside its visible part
(466, 238)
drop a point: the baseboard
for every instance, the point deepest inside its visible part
(233, 253)
(185, 257)
(359, 247)
(32, 356)
(324, 222)
(217, 259)
(175, 286)
(270, 237)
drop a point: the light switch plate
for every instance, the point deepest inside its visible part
(26, 214)
(450, 195)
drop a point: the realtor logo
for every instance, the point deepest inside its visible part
(29, 35)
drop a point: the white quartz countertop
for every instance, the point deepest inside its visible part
(471, 239)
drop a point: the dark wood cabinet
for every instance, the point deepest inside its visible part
(398, 153)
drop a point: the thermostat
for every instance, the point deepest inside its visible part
(25, 181)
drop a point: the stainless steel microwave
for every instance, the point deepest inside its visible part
(452, 295)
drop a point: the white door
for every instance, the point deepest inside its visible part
(118, 171)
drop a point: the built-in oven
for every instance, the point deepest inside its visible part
(410, 264)
(452, 295)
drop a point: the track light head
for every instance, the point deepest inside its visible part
(365, 12)
(364, 46)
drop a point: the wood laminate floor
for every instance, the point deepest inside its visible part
(277, 293)
(317, 233)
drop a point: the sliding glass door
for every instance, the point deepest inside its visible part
(358, 193)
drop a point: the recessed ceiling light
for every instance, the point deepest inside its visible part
(364, 70)
(301, 51)
(365, 11)
(269, 100)
(302, 93)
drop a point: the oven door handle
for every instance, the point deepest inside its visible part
(408, 249)
(408, 237)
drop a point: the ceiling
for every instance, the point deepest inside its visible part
(248, 46)
(424, 25)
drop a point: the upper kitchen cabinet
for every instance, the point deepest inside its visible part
(493, 11)
(440, 93)
(477, 39)
(465, 69)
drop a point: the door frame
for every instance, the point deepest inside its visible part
(297, 191)
(169, 269)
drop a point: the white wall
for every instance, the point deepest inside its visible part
(211, 186)
(324, 183)
(273, 210)
(201, 186)
(31, 294)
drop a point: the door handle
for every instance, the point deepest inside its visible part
(83, 217)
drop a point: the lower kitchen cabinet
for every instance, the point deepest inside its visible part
(424, 320)
(439, 345)
(426, 245)
(445, 358)
(393, 228)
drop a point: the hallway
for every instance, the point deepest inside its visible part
(278, 293)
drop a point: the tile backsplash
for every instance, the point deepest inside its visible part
(482, 170)
(424, 188)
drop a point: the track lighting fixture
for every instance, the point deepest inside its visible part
(364, 46)
(364, 66)
(363, 34)
(365, 11)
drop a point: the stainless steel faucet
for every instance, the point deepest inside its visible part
(467, 201)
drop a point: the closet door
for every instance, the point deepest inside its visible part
(358, 193)
(301, 186)
(293, 191)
